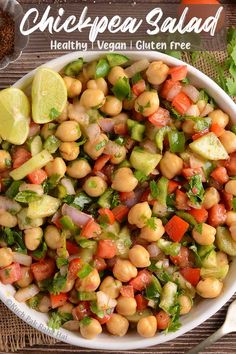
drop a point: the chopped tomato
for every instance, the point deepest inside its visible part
(10, 274)
(182, 260)
(181, 103)
(200, 215)
(127, 291)
(143, 279)
(163, 320)
(58, 300)
(192, 275)
(231, 164)
(217, 215)
(107, 215)
(124, 196)
(43, 269)
(227, 199)
(220, 175)
(56, 221)
(160, 118)
(74, 267)
(20, 156)
(37, 177)
(91, 229)
(104, 319)
(178, 73)
(167, 86)
(106, 249)
(141, 302)
(190, 172)
(101, 162)
(176, 228)
(81, 311)
(172, 186)
(139, 87)
(120, 212)
(216, 129)
(121, 128)
(99, 264)
(199, 134)
(181, 200)
(72, 248)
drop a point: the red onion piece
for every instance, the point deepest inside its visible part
(191, 92)
(149, 145)
(137, 67)
(77, 112)
(166, 263)
(107, 124)
(66, 182)
(21, 258)
(208, 109)
(33, 129)
(136, 197)
(92, 131)
(153, 250)
(193, 111)
(104, 301)
(27, 293)
(78, 217)
(9, 204)
(174, 91)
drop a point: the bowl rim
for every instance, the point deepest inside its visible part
(139, 342)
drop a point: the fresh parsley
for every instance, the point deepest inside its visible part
(58, 319)
(58, 283)
(195, 190)
(141, 177)
(154, 189)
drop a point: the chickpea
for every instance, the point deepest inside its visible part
(159, 209)
(79, 169)
(89, 283)
(69, 151)
(95, 186)
(90, 330)
(68, 131)
(119, 156)
(139, 214)
(112, 106)
(206, 236)
(126, 306)
(230, 187)
(5, 160)
(66, 308)
(228, 139)
(185, 304)
(52, 237)
(6, 256)
(26, 277)
(219, 117)
(209, 288)
(124, 180)
(56, 167)
(117, 325)
(211, 198)
(147, 326)
(73, 86)
(188, 126)
(230, 218)
(45, 304)
(68, 286)
(149, 234)
(98, 84)
(92, 98)
(157, 72)
(115, 74)
(33, 238)
(139, 256)
(6, 219)
(124, 270)
(64, 114)
(48, 129)
(147, 103)
(111, 287)
(171, 165)
(95, 148)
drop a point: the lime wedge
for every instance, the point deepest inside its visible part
(14, 115)
(49, 95)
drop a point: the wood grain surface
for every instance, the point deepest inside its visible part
(33, 57)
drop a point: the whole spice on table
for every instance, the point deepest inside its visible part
(7, 33)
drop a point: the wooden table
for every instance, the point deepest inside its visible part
(31, 59)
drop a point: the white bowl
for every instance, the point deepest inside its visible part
(204, 309)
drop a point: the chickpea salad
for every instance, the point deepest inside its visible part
(117, 195)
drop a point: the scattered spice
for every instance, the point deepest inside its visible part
(7, 34)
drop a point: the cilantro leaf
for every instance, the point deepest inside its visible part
(58, 319)
(54, 114)
(154, 189)
(196, 191)
(141, 177)
(58, 283)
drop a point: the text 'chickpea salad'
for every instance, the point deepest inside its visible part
(117, 195)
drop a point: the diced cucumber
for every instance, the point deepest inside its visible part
(123, 242)
(224, 241)
(137, 132)
(168, 247)
(116, 59)
(168, 296)
(36, 145)
(44, 207)
(104, 200)
(24, 222)
(184, 284)
(210, 261)
(160, 135)
(138, 315)
(86, 254)
(154, 289)
(219, 272)
(209, 147)
(144, 161)
(36, 162)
